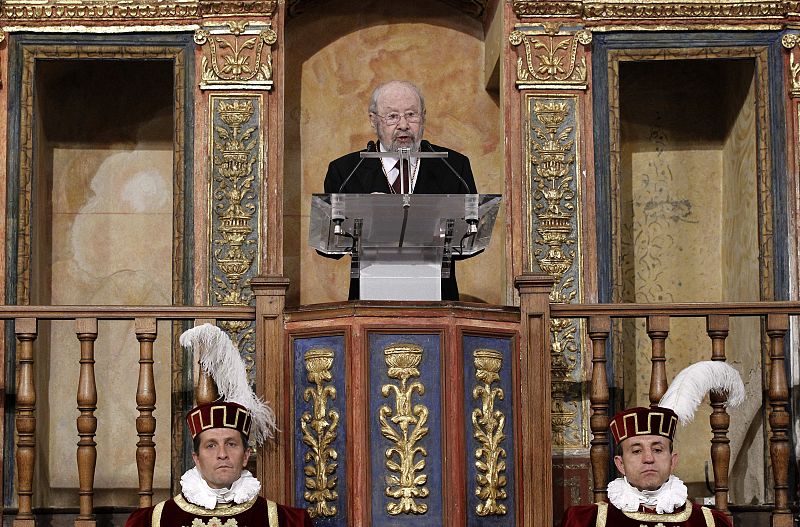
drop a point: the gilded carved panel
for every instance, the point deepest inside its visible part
(551, 58)
(234, 211)
(320, 415)
(236, 55)
(790, 41)
(641, 10)
(184, 12)
(553, 164)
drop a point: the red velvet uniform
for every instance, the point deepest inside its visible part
(606, 515)
(257, 512)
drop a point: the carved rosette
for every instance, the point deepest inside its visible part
(551, 58)
(487, 428)
(554, 229)
(237, 55)
(320, 429)
(790, 41)
(404, 426)
(234, 193)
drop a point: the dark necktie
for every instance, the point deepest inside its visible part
(406, 178)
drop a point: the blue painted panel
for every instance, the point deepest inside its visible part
(304, 411)
(427, 374)
(492, 348)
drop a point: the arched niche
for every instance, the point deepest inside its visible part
(336, 52)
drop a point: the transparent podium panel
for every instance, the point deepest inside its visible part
(400, 243)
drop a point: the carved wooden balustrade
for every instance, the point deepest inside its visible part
(271, 348)
(775, 321)
(26, 321)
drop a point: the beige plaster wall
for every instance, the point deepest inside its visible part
(332, 65)
(111, 244)
(688, 227)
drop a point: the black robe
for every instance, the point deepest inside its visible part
(434, 177)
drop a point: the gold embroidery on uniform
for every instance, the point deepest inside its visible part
(708, 516)
(651, 517)
(272, 513)
(602, 514)
(214, 522)
(222, 509)
(156, 521)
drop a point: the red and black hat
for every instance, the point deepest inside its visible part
(219, 414)
(642, 421)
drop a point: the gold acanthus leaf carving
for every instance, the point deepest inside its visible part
(239, 56)
(487, 428)
(404, 426)
(320, 429)
(789, 41)
(551, 58)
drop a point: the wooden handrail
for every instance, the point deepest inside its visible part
(688, 309)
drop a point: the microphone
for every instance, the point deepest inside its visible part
(426, 144)
(371, 147)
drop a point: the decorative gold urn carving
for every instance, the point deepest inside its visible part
(554, 195)
(320, 429)
(487, 427)
(238, 55)
(551, 59)
(235, 187)
(404, 426)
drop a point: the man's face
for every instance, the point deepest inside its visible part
(398, 99)
(646, 461)
(221, 456)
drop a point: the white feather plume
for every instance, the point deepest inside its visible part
(691, 385)
(219, 357)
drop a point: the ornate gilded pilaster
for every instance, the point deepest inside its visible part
(404, 426)
(554, 221)
(488, 426)
(790, 41)
(236, 183)
(236, 55)
(551, 58)
(320, 429)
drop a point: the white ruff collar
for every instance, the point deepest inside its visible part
(196, 490)
(669, 496)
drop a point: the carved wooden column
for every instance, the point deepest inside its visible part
(658, 330)
(146, 404)
(272, 383)
(86, 330)
(535, 421)
(26, 331)
(599, 329)
(717, 328)
(777, 326)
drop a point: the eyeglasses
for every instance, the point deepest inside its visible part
(393, 118)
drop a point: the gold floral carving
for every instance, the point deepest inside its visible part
(238, 55)
(235, 186)
(487, 426)
(320, 429)
(551, 58)
(552, 156)
(644, 9)
(405, 427)
(183, 12)
(789, 41)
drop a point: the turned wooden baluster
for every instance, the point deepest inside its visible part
(599, 328)
(86, 329)
(717, 327)
(25, 329)
(205, 391)
(777, 326)
(146, 404)
(658, 330)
